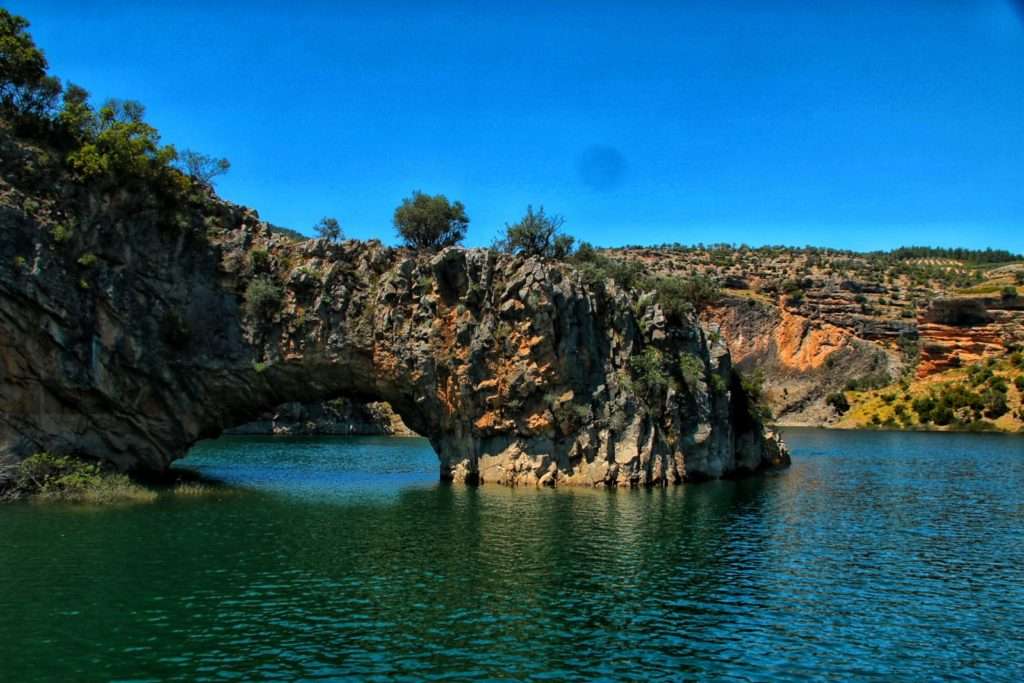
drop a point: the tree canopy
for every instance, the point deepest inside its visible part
(537, 234)
(329, 228)
(430, 222)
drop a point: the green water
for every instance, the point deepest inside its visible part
(885, 556)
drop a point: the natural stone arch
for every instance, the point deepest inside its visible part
(515, 370)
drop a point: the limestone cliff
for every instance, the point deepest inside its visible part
(816, 322)
(133, 328)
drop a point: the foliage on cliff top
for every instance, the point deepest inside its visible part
(537, 234)
(430, 222)
(109, 147)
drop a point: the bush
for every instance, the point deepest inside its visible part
(692, 369)
(838, 402)
(680, 296)
(1009, 293)
(62, 477)
(260, 259)
(595, 268)
(262, 298)
(202, 167)
(537, 234)
(329, 229)
(648, 369)
(757, 401)
(430, 222)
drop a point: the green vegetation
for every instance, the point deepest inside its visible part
(537, 234)
(110, 147)
(692, 369)
(262, 298)
(329, 229)
(838, 402)
(757, 400)
(648, 368)
(596, 268)
(66, 478)
(202, 168)
(430, 222)
(973, 256)
(679, 297)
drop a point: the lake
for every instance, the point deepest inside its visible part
(876, 555)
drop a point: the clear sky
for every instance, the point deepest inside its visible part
(851, 124)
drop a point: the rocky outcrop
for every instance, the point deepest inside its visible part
(141, 327)
(340, 417)
(957, 332)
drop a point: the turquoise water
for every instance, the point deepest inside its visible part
(877, 555)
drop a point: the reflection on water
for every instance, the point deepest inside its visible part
(888, 555)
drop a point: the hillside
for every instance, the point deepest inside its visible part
(819, 322)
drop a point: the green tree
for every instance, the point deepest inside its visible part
(329, 229)
(537, 234)
(124, 145)
(25, 87)
(202, 167)
(430, 222)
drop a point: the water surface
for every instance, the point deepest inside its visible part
(877, 555)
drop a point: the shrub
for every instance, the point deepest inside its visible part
(537, 234)
(430, 222)
(262, 298)
(260, 259)
(757, 400)
(692, 369)
(595, 268)
(62, 477)
(202, 167)
(838, 402)
(1009, 293)
(680, 296)
(648, 369)
(329, 229)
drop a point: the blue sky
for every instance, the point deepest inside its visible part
(849, 124)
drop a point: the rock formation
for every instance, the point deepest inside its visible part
(133, 328)
(339, 417)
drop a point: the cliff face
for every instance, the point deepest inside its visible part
(133, 329)
(816, 321)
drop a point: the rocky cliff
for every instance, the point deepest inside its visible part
(816, 322)
(134, 326)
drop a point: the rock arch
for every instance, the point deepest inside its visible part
(516, 370)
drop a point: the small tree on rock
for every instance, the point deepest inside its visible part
(430, 222)
(537, 234)
(329, 229)
(203, 167)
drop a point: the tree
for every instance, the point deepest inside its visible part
(202, 167)
(329, 229)
(430, 222)
(25, 88)
(537, 234)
